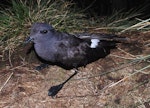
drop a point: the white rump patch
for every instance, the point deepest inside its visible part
(94, 43)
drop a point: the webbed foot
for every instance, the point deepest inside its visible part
(54, 90)
(42, 66)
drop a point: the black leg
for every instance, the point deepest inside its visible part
(55, 89)
(42, 66)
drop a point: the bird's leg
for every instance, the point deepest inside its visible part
(55, 89)
(42, 66)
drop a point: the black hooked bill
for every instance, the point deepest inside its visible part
(27, 40)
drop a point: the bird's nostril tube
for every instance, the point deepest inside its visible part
(27, 40)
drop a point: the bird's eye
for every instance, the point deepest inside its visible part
(43, 31)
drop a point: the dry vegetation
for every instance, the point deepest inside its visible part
(121, 80)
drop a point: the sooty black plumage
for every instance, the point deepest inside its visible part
(68, 50)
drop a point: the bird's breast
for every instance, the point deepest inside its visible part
(45, 52)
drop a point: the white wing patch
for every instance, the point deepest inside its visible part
(94, 43)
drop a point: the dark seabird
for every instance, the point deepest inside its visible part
(69, 51)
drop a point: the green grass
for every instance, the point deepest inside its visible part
(64, 16)
(17, 19)
(125, 21)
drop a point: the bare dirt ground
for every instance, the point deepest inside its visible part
(21, 86)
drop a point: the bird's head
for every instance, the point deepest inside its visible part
(40, 32)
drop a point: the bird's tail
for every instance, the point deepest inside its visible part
(105, 37)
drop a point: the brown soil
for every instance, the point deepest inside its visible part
(21, 86)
